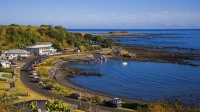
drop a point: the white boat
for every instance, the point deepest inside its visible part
(124, 63)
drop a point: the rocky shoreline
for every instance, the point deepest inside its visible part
(73, 72)
(146, 54)
(125, 33)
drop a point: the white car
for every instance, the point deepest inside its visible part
(34, 73)
(35, 76)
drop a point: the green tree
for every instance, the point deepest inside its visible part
(98, 39)
(33, 106)
(6, 101)
(58, 27)
(43, 25)
(82, 48)
(57, 46)
(13, 24)
(52, 33)
(1, 30)
(56, 106)
(88, 37)
(11, 31)
(42, 31)
(108, 43)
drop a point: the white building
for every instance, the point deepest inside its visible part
(41, 48)
(4, 63)
(15, 53)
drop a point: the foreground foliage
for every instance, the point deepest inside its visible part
(7, 105)
(56, 106)
(166, 106)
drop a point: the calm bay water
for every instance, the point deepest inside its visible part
(148, 80)
(188, 39)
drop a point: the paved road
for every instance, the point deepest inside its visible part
(33, 86)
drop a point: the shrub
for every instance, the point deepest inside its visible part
(131, 105)
(9, 70)
(166, 106)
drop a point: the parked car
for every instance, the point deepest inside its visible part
(31, 69)
(117, 101)
(33, 72)
(13, 64)
(38, 80)
(110, 104)
(75, 96)
(86, 99)
(33, 76)
(35, 66)
(50, 87)
(40, 60)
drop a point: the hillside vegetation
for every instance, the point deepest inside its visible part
(16, 36)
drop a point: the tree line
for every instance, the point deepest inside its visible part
(16, 37)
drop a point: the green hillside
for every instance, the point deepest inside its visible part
(16, 36)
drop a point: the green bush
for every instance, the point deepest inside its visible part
(131, 105)
(8, 70)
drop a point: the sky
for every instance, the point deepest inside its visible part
(103, 14)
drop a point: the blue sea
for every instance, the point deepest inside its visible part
(148, 80)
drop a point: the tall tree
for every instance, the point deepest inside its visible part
(88, 37)
(98, 39)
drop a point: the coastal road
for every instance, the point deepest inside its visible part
(74, 103)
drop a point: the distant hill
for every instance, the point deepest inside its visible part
(16, 36)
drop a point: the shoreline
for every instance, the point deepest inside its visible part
(62, 79)
(138, 53)
(125, 33)
(147, 54)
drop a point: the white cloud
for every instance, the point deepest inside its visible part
(197, 24)
(163, 19)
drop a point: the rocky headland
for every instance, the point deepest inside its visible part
(146, 54)
(125, 33)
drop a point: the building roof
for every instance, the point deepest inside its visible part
(38, 46)
(43, 43)
(17, 51)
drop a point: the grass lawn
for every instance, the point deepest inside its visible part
(20, 88)
(7, 75)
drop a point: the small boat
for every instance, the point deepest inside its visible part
(124, 63)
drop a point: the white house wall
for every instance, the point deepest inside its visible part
(5, 64)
